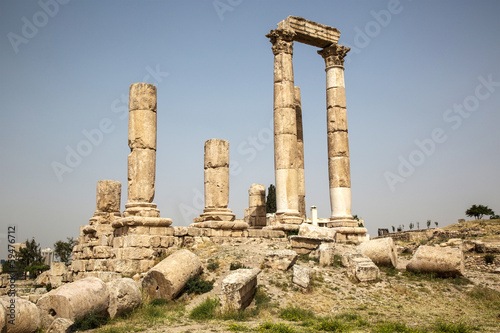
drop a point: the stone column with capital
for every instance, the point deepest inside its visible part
(285, 128)
(338, 142)
(300, 155)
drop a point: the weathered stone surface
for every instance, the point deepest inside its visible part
(301, 276)
(381, 251)
(336, 119)
(167, 279)
(238, 289)
(141, 175)
(326, 254)
(124, 296)
(3, 319)
(309, 32)
(43, 278)
(73, 300)
(60, 325)
(223, 225)
(339, 141)
(281, 260)
(216, 153)
(444, 261)
(141, 221)
(309, 230)
(142, 96)
(363, 270)
(340, 175)
(142, 129)
(216, 187)
(108, 196)
(24, 313)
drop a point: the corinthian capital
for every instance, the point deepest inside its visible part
(282, 40)
(334, 54)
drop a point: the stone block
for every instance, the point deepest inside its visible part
(443, 261)
(60, 325)
(281, 260)
(309, 230)
(364, 271)
(136, 241)
(137, 253)
(180, 231)
(141, 175)
(335, 97)
(338, 143)
(341, 172)
(128, 266)
(326, 254)
(238, 289)
(301, 276)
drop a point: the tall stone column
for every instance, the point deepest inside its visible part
(338, 142)
(216, 215)
(142, 158)
(285, 128)
(300, 155)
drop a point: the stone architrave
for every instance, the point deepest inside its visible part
(338, 142)
(257, 206)
(285, 128)
(300, 155)
(142, 158)
(216, 215)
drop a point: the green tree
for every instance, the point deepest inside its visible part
(30, 258)
(63, 249)
(393, 229)
(477, 211)
(271, 199)
(428, 223)
(411, 225)
(436, 223)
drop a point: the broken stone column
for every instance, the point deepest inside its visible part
(142, 158)
(73, 300)
(257, 205)
(20, 315)
(381, 251)
(238, 289)
(444, 261)
(124, 296)
(285, 128)
(300, 155)
(167, 279)
(338, 142)
(216, 215)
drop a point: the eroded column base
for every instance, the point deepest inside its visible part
(143, 209)
(354, 235)
(219, 218)
(342, 222)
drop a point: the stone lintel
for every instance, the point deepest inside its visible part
(309, 32)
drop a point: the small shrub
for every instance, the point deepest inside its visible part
(337, 261)
(48, 286)
(237, 328)
(275, 328)
(236, 265)
(213, 265)
(292, 233)
(296, 314)
(197, 285)
(332, 325)
(443, 327)
(91, 320)
(262, 299)
(489, 258)
(206, 310)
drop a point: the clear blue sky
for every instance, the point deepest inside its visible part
(422, 87)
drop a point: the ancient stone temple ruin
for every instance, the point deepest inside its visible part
(123, 244)
(288, 144)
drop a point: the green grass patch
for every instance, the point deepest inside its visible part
(392, 327)
(487, 296)
(91, 320)
(206, 310)
(236, 265)
(233, 327)
(269, 327)
(443, 327)
(296, 314)
(213, 264)
(197, 285)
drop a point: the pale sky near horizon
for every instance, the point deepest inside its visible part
(422, 90)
